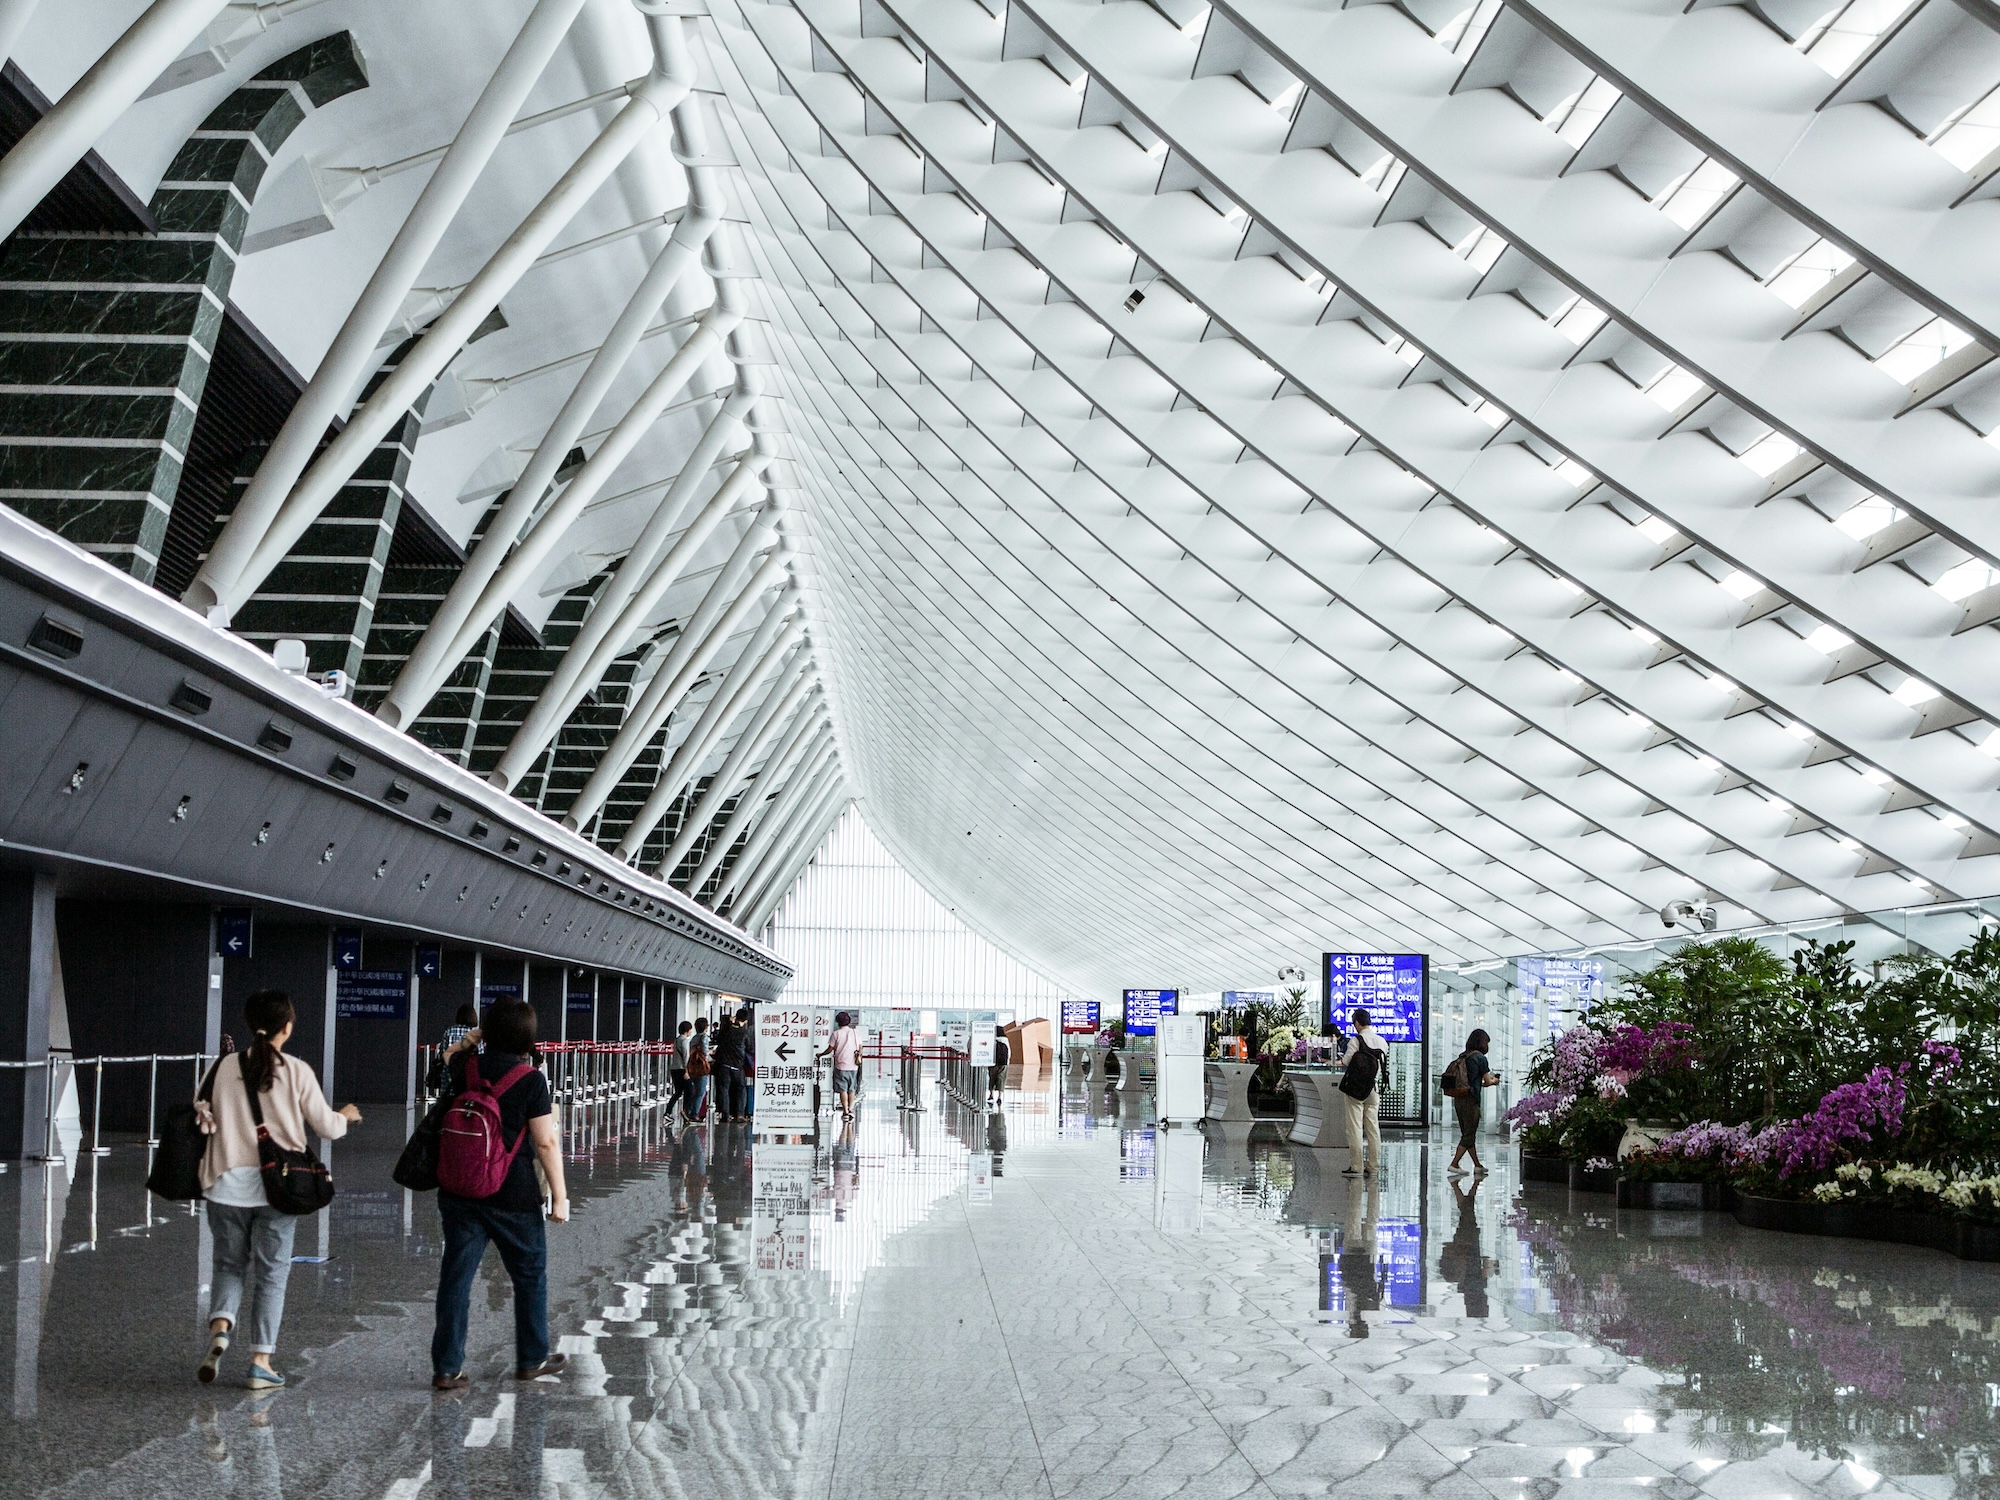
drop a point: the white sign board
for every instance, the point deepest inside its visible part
(822, 1027)
(896, 1029)
(982, 1048)
(955, 1033)
(781, 1188)
(785, 1068)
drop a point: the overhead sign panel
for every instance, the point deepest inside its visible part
(1389, 986)
(1080, 1017)
(1143, 1009)
(372, 994)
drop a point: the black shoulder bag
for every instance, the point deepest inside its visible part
(295, 1182)
(176, 1174)
(417, 1168)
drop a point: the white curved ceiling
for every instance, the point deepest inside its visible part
(1276, 475)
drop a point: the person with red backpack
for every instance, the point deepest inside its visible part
(496, 1106)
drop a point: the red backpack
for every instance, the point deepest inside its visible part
(473, 1158)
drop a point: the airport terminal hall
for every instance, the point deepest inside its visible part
(999, 749)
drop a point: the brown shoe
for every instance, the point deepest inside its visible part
(456, 1382)
(555, 1364)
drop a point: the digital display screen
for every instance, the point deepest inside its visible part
(1237, 999)
(1080, 1017)
(1143, 1009)
(1389, 986)
(1564, 987)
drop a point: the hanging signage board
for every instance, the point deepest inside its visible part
(232, 932)
(347, 950)
(1080, 1017)
(430, 960)
(373, 995)
(1143, 1009)
(1389, 986)
(784, 1068)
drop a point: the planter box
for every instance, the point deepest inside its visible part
(1870, 1221)
(1545, 1169)
(1660, 1195)
(1582, 1180)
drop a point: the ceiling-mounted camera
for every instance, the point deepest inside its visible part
(1695, 916)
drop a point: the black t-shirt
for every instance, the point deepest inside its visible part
(526, 1100)
(1476, 1069)
(732, 1046)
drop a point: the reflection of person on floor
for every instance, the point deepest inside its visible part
(695, 1172)
(1358, 1275)
(1460, 1261)
(250, 1467)
(996, 1138)
(846, 1171)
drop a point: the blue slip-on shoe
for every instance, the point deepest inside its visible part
(261, 1379)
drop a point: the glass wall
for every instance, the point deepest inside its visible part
(861, 932)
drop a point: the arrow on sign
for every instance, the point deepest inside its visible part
(784, 1052)
(234, 944)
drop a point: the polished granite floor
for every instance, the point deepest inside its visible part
(1056, 1301)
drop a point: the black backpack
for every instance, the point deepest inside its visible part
(1358, 1081)
(176, 1174)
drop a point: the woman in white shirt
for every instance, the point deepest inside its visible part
(246, 1229)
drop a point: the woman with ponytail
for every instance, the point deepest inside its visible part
(248, 1232)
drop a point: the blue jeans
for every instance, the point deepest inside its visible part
(524, 1250)
(248, 1239)
(730, 1084)
(696, 1098)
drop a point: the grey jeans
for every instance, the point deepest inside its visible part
(244, 1236)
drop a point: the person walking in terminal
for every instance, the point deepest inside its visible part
(677, 1065)
(509, 1101)
(248, 1232)
(1360, 1084)
(701, 1069)
(732, 1059)
(1464, 1080)
(996, 1076)
(844, 1046)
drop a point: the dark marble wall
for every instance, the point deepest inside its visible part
(106, 338)
(135, 982)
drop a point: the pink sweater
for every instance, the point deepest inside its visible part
(293, 1103)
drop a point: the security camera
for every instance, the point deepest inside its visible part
(1695, 916)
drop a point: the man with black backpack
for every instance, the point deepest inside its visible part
(1360, 1085)
(497, 1123)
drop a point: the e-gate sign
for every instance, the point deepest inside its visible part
(785, 1068)
(1079, 1017)
(1389, 986)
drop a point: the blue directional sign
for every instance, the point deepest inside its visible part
(1389, 986)
(1143, 1009)
(372, 995)
(347, 950)
(1565, 988)
(497, 990)
(232, 931)
(582, 1000)
(1080, 1017)
(430, 960)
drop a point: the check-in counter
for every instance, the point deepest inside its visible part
(1320, 1121)
(1228, 1093)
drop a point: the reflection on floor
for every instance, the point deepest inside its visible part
(1054, 1301)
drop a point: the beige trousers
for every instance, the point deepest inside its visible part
(1363, 1114)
